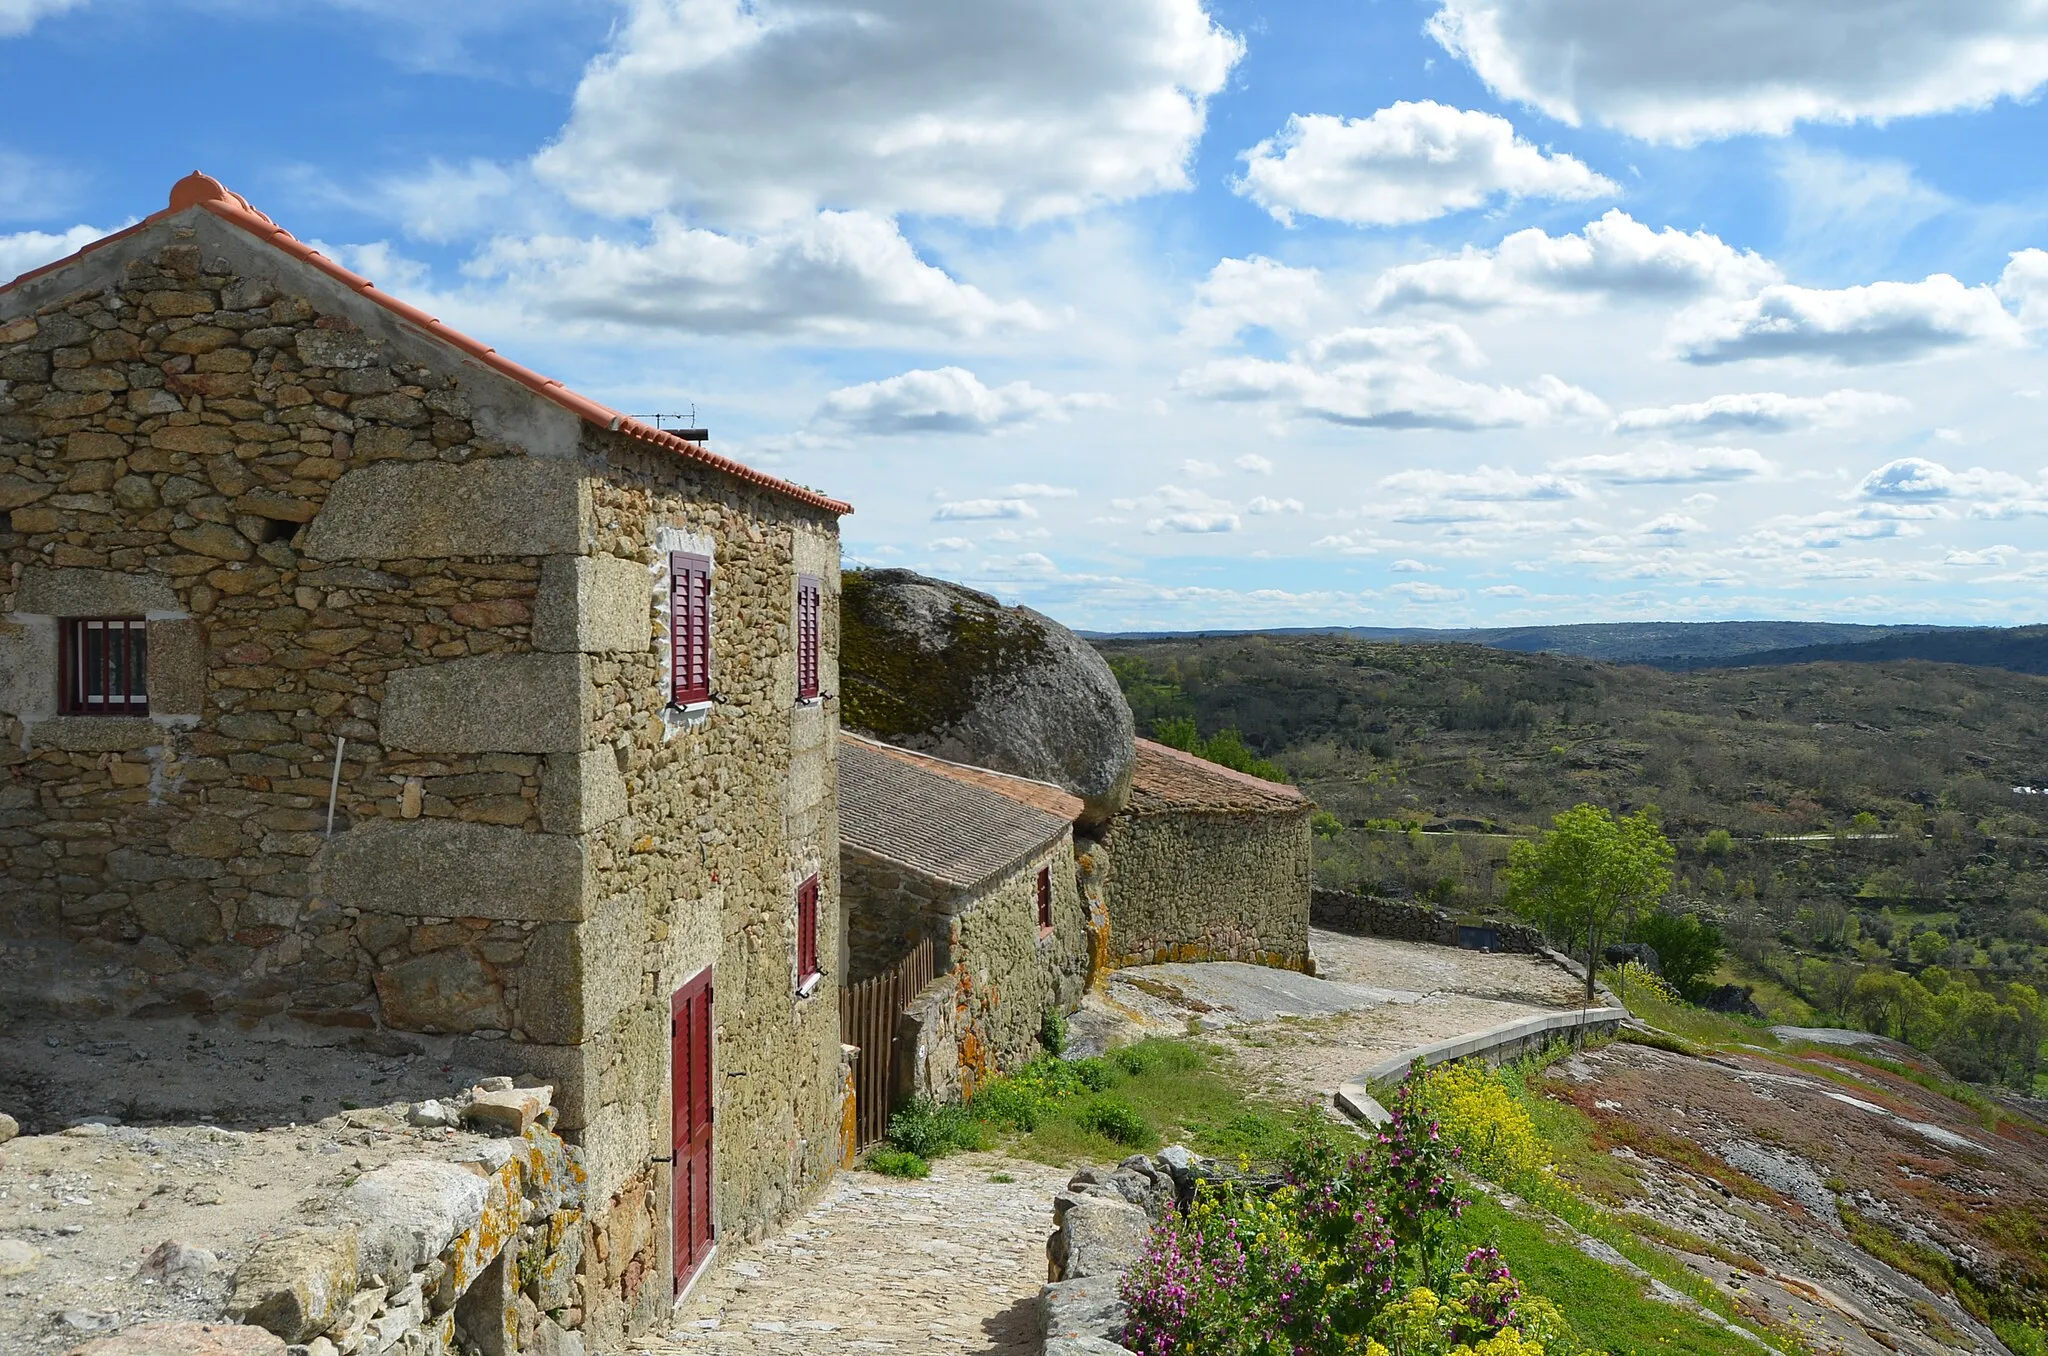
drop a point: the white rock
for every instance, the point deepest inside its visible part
(411, 1211)
(432, 1114)
(18, 1258)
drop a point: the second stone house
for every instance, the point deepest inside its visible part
(980, 864)
(359, 686)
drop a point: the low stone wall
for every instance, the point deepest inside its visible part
(1406, 921)
(481, 1248)
(1198, 885)
(997, 974)
(1495, 1045)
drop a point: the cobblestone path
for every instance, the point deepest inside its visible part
(949, 1264)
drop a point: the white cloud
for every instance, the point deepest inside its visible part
(1200, 470)
(1404, 343)
(1616, 256)
(1761, 412)
(1409, 566)
(1879, 322)
(1990, 555)
(447, 202)
(1678, 71)
(1505, 591)
(1670, 525)
(1915, 480)
(945, 400)
(1264, 505)
(842, 275)
(19, 16)
(1488, 484)
(967, 510)
(1388, 395)
(2024, 286)
(1422, 591)
(1406, 163)
(1242, 294)
(25, 250)
(1037, 491)
(1669, 464)
(1194, 522)
(950, 544)
(1253, 464)
(1349, 543)
(762, 112)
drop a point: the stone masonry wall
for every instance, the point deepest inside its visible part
(887, 911)
(339, 529)
(726, 812)
(1402, 920)
(1204, 885)
(997, 974)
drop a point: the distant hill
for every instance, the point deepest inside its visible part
(2021, 649)
(1672, 645)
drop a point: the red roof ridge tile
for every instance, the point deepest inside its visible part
(206, 192)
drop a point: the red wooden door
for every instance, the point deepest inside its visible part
(690, 1123)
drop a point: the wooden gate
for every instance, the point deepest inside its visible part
(690, 1123)
(867, 1018)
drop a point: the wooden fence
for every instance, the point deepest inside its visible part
(867, 1018)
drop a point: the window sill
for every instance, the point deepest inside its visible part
(1046, 935)
(804, 702)
(810, 986)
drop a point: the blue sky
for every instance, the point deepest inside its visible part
(1406, 312)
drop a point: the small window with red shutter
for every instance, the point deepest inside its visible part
(807, 606)
(689, 628)
(807, 968)
(1045, 899)
(104, 662)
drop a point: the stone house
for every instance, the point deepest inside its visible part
(1205, 863)
(982, 863)
(360, 686)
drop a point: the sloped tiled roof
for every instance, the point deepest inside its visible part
(203, 191)
(1167, 779)
(955, 825)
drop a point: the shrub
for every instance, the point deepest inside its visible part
(1688, 946)
(1006, 1102)
(929, 1130)
(1052, 1031)
(1486, 1119)
(897, 1163)
(1114, 1118)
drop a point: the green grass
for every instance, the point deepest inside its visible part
(897, 1163)
(1136, 1098)
(1693, 1024)
(1606, 1307)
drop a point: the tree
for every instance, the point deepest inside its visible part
(1589, 874)
(1688, 946)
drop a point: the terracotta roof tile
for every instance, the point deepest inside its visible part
(955, 825)
(1166, 779)
(203, 191)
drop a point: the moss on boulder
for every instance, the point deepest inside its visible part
(935, 666)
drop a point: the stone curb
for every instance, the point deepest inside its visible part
(1355, 1095)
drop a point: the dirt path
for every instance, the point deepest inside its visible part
(949, 1264)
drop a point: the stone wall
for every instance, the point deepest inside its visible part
(997, 975)
(1406, 921)
(342, 530)
(1195, 885)
(888, 909)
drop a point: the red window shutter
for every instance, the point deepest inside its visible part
(689, 627)
(807, 599)
(1045, 896)
(807, 930)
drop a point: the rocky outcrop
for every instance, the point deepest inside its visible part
(934, 666)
